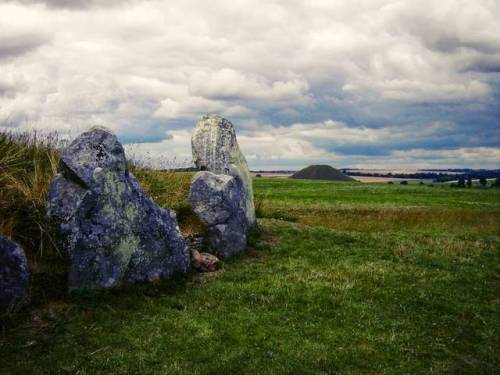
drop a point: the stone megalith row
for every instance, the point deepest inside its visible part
(110, 229)
(14, 276)
(221, 195)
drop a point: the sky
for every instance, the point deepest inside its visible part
(358, 83)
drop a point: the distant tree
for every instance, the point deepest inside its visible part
(453, 185)
(469, 182)
(390, 182)
(404, 182)
(461, 182)
(483, 181)
(496, 184)
(258, 175)
(421, 183)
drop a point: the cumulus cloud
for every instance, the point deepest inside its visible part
(73, 4)
(325, 78)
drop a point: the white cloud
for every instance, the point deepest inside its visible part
(230, 83)
(67, 65)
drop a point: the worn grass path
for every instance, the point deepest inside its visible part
(414, 294)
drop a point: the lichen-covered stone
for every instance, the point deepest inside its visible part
(111, 231)
(216, 149)
(14, 276)
(218, 200)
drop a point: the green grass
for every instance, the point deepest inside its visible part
(339, 194)
(379, 207)
(344, 278)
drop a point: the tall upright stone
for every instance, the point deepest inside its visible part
(216, 149)
(111, 230)
(14, 276)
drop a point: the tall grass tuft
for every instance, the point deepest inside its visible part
(28, 161)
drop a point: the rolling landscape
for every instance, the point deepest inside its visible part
(250, 187)
(338, 277)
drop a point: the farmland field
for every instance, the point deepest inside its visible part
(344, 278)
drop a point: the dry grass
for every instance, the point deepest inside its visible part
(385, 218)
(168, 189)
(27, 164)
(171, 190)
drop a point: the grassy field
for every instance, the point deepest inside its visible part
(340, 278)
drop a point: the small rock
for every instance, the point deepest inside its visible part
(14, 276)
(204, 262)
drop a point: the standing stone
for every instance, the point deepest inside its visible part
(14, 276)
(111, 230)
(216, 149)
(218, 200)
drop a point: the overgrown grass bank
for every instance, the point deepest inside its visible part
(28, 162)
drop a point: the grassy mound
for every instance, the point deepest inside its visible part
(321, 172)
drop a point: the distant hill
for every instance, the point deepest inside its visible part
(321, 172)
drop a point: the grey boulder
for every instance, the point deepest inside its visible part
(14, 276)
(110, 229)
(216, 149)
(218, 200)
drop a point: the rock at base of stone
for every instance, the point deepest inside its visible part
(14, 276)
(218, 202)
(204, 262)
(110, 229)
(215, 149)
